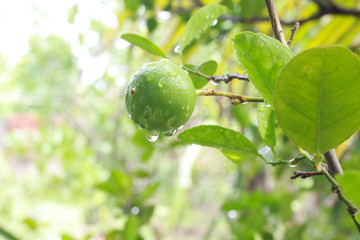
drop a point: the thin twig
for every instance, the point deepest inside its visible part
(228, 77)
(304, 175)
(275, 21)
(293, 32)
(351, 208)
(236, 98)
(223, 78)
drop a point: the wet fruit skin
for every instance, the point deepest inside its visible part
(160, 97)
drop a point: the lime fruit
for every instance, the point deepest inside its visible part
(160, 97)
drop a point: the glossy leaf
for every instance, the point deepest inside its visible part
(262, 58)
(207, 68)
(143, 43)
(350, 184)
(317, 100)
(200, 22)
(266, 124)
(233, 144)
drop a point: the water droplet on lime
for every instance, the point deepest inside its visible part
(170, 132)
(172, 74)
(151, 136)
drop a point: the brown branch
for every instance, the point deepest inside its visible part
(275, 21)
(333, 163)
(228, 77)
(223, 78)
(324, 8)
(304, 175)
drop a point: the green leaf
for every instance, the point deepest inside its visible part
(132, 5)
(233, 144)
(266, 124)
(262, 58)
(207, 68)
(317, 98)
(200, 22)
(66, 237)
(198, 81)
(146, 214)
(350, 184)
(118, 184)
(147, 193)
(143, 43)
(131, 228)
(151, 24)
(250, 8)
(242, 113)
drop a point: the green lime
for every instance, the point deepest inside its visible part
(160, 98)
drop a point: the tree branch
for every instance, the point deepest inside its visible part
(236, 98)
(275, 21)
(351, 208)
(324, 8)
(304, 175)
(293, 32)
(333, 163)
(223, 78)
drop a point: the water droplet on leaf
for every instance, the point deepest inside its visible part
(232, 214)
(214, 83)
(177, 49)
(135, 210)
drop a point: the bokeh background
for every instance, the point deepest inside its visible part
(74, 166)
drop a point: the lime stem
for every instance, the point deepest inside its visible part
(236, 98)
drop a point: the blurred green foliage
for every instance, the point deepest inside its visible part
(73, 166)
